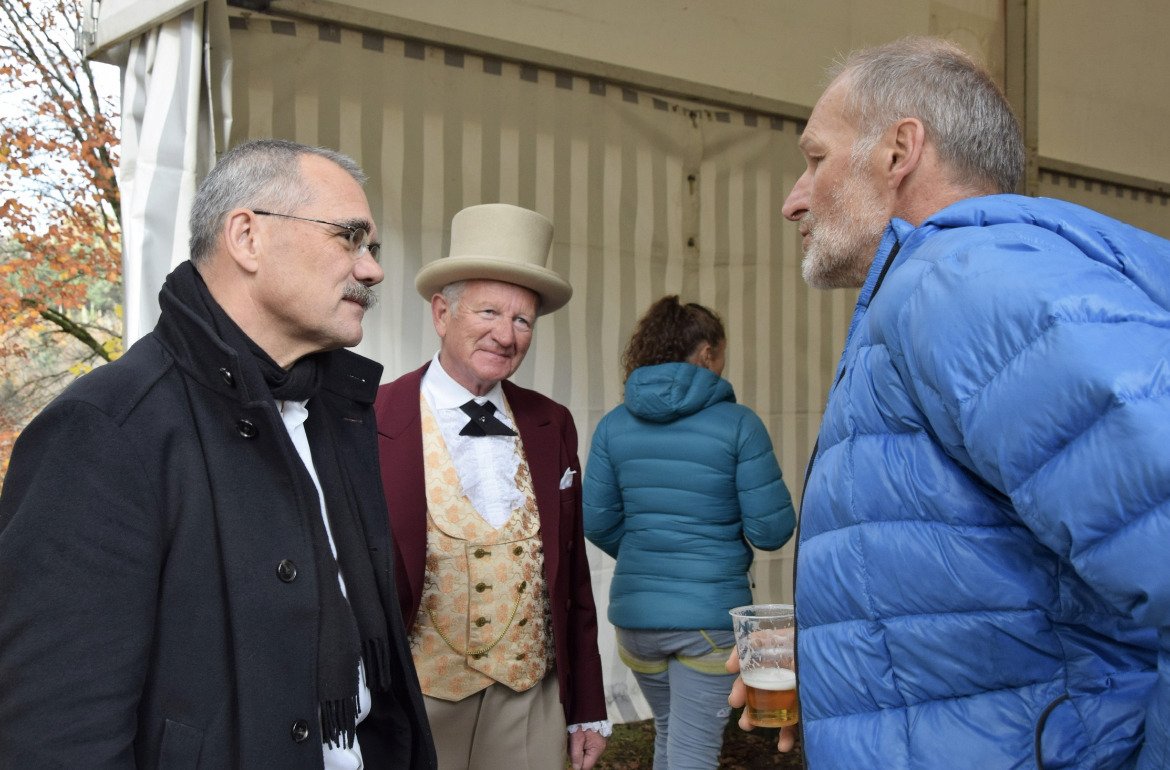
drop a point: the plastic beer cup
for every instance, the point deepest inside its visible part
(764, 638)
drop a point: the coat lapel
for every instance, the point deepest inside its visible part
(404, 477)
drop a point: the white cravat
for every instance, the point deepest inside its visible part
(294, 415)
(486, 465)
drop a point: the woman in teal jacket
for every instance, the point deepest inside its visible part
(680, 480)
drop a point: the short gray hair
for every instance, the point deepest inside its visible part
(453, 292)
(964, 112)
(261, 173)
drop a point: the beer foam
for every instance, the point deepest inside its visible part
(770, 678)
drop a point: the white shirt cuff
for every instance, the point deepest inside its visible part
(604, 727)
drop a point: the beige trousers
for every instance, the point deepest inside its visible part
(501, 729)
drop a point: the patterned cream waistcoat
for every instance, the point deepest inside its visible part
(484, 613)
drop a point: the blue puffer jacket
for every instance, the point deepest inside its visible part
(983, 573)
(677, 477)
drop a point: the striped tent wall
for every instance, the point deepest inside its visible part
(648, 195)
(1140, 207)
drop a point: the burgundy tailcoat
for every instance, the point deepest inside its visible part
(550, 445)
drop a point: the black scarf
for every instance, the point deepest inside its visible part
(347, 629)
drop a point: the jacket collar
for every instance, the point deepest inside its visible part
(214, 364)
(887, 253)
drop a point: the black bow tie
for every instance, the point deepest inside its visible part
(483, 421)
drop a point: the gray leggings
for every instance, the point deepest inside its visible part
(682, 677)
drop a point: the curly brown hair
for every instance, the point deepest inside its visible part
(670, 332)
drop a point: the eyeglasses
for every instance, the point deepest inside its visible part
(358, 236)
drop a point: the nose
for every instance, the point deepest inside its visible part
(503, 332)
(796, 204)
(367, 270)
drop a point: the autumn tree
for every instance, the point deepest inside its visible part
(60, 247)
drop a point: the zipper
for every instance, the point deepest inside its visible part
(800, 518)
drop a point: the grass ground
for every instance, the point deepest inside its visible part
(631, 747)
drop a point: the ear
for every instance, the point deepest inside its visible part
(440, 314)
(908, 141)
(701, 355)
(243, 241)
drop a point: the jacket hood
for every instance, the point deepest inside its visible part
(666, 392)
(1134, 253)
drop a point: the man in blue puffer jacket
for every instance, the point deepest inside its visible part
(981, 575)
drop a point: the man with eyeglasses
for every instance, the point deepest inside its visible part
(195, 560)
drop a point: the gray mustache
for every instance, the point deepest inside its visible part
(361, 294)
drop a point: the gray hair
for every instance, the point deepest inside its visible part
(453, 292)
(263, 174)
(964, 112)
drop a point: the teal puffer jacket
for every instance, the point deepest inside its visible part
(680, 479)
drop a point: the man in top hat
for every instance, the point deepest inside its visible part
(484, 493)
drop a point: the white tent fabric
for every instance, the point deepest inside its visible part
(175, 112)
(123, 20)
(648, 196)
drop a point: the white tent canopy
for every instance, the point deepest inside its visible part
(649, 195)
(124, 20)
(176, 110)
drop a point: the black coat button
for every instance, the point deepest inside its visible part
(286, 570)
(300, 731)
(246, 429)
(227, 377)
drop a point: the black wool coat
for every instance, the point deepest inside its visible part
(150, 529)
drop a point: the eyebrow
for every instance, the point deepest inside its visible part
(355, 222)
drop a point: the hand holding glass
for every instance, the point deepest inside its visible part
(764, 640)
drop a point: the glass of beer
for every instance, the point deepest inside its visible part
(764, 638)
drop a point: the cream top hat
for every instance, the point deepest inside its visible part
(498, 242)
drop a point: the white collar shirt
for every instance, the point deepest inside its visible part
(294, 414)
(486, 465)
